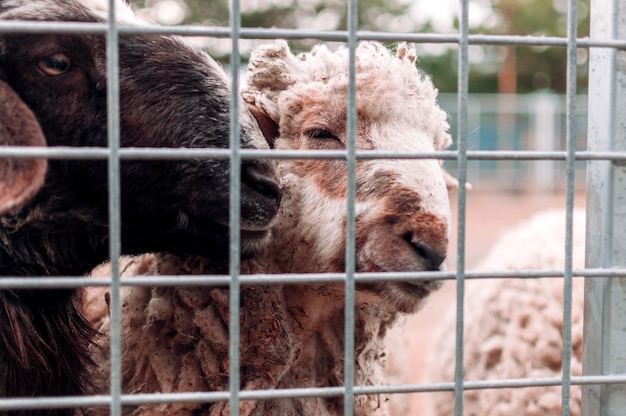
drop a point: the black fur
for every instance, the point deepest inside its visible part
(171, 96)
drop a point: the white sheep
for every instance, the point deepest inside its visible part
(175, 339)
(513, 327)
(55, 216)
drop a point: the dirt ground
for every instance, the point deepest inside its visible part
(488, 215)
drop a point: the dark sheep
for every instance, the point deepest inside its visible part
(171, 95)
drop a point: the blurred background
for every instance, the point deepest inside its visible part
(516, 97)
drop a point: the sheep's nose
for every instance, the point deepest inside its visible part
(261, 182)
(433, 258)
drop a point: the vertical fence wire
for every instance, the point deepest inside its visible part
(113, 124)
(350, 264)
(462, 134)
(570, 139)
(235, 213)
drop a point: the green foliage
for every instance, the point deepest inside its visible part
(537, 68)
(540, 67)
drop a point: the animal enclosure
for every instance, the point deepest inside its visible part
(604, 374)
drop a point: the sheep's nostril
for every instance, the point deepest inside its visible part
(261, 183)
(433, 258)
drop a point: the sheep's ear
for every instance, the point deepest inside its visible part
(20, 179)
(268, 126)
(452, 183)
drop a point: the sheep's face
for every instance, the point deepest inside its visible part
(171, 95)
(402, 207)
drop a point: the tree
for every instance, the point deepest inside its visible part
(492, 68)
(524, 69)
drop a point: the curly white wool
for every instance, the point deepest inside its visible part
(513, 327)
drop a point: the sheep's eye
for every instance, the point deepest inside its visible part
(321, 134)
(55, 64)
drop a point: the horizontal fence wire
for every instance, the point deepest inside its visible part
(65, 282)
(114, 154)
(211, 397)
(274, 33)
(161, 153)
(158, 153)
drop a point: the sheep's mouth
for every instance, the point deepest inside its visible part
(416, 286)
(258, 210)
(386, 252)
(260, 199)
(260, 183)
(405, 295)
(247, 231)
(418, 289)
(207, 237)
(259, 202)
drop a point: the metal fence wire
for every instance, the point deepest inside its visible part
(605, 335)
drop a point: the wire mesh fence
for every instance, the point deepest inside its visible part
(604, 379)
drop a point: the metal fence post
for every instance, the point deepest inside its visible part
(605, 298)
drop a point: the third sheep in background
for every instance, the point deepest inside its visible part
(513, 327)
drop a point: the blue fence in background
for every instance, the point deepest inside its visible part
(533, 122)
